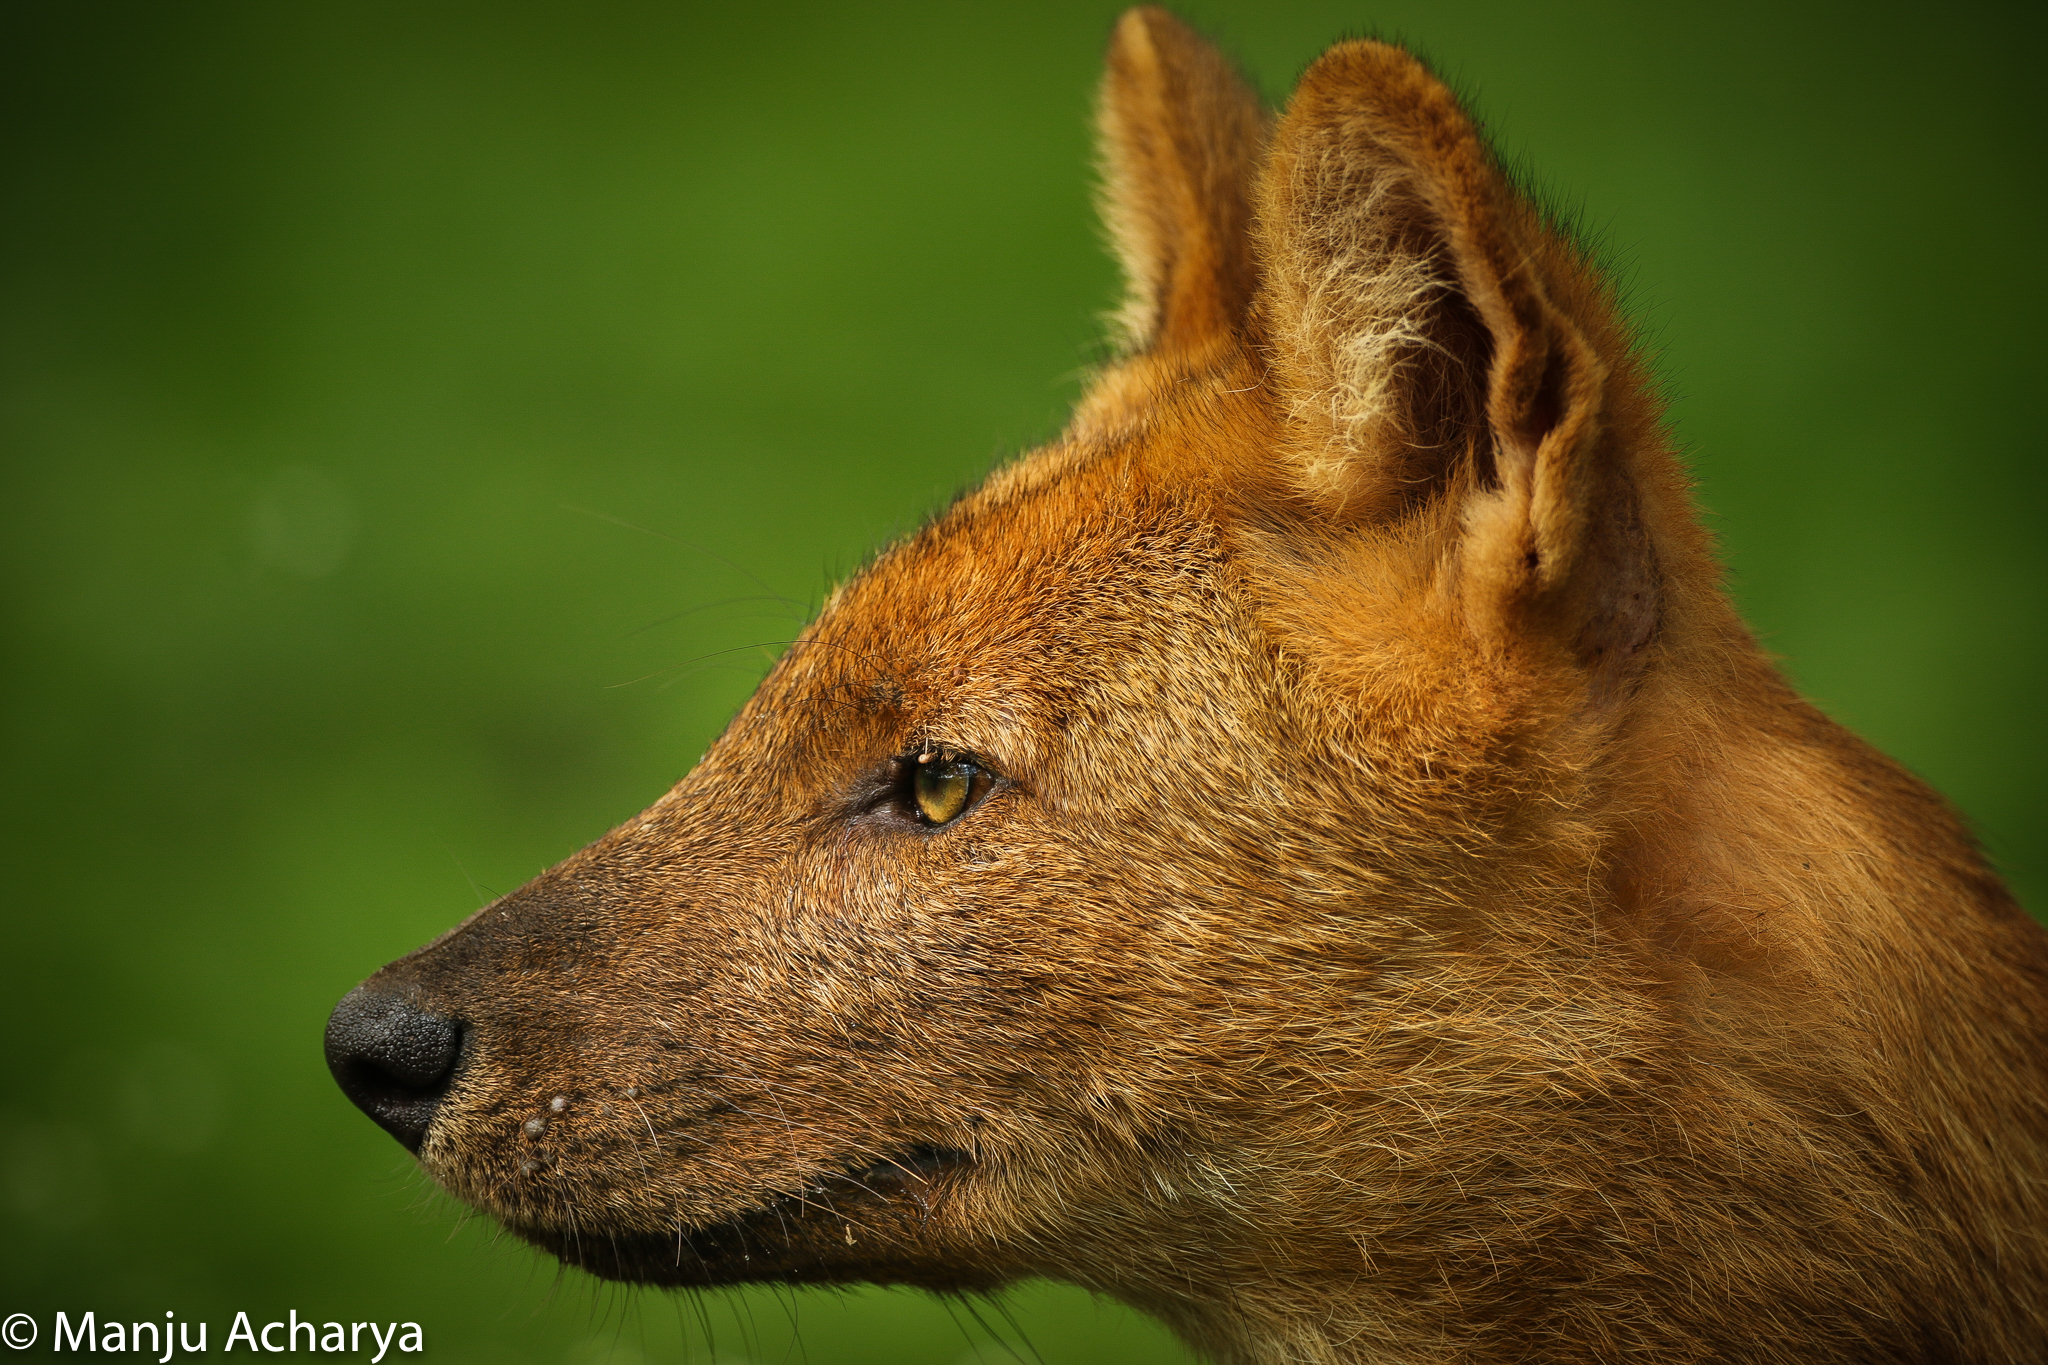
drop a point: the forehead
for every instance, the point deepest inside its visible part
(1053, 577)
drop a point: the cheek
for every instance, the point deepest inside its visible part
(1002, 955)
(899, 944)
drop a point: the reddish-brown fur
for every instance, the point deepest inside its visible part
(1411, 921)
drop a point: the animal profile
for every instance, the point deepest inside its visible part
(1312, 853)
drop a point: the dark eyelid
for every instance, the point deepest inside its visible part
(947, 753)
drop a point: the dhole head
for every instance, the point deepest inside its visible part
(1286, 854)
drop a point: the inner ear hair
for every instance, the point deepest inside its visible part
(1384, 349)
(1431, 338)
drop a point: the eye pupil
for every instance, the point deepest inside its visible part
(942, 788)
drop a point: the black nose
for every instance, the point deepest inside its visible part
(393, 1059)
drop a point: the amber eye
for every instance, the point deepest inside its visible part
(942, 787)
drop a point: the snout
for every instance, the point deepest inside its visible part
(393, 1059)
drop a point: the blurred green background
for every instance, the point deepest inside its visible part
(339, 339)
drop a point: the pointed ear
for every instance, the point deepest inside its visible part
(1180, 137)
(1433, 342)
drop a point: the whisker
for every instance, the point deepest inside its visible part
(745, 572)
(701, 606)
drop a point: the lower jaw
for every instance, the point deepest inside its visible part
(873, 1225)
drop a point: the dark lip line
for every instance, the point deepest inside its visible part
(922, 1163)
(733, 1239)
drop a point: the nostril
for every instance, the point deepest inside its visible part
(393, 1059)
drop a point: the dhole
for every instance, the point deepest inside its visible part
(1311, 853)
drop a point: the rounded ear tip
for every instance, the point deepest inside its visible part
(1358, 65)
(1135, 24)
(1151, 28)
(1131, 41)
(1141, 16)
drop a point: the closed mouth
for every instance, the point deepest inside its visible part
(868, 1223)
